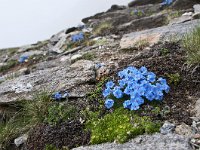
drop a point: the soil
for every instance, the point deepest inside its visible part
(68, 134)
(182, 96)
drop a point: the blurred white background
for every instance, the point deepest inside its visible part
(28, 21)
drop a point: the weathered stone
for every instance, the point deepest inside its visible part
(76, 56)
(155, 35)
(187, 14)
(55, 38)
(150, 142)
(116, 7)
(64, 58)
(197, 108)
(167, 128)
(196, 8)
(72, 29)
(143, 23)
(21, 140)
(32, 53)
(183, 4)
(184, 129)
(75, 79)
(58, 47)
(143, 2)
(196, 15)
(182, 19)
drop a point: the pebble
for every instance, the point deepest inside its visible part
(21, 140)
(167, 128)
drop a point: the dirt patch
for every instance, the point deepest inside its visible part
(68, 134)
(168, 59)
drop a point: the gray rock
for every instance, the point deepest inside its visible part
(196, 8)
(155, 35)
(76, 79)
(187, 14)
(182, 19)
(75, 57)
(197, 108)
(134, 3)
(116, 7)
(58, 47)
(21, 87)
(21, 140)
(167, 128)
(31, 53)
(196, 15)
(55, 38)
(146, 142)
(183, 4)
(184, 129)
(148, 22)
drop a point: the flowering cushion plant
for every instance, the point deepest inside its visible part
(135, 86)
(77, 37)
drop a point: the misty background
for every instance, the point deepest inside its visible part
(28, 21)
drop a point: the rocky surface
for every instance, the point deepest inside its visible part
(143, 34)
(153, 36)
(74, 78)
(150, 142)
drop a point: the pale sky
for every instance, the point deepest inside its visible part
(28, 21)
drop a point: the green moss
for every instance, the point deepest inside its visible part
(164, 51)
(88, 56)
(174, 78)
(119, 126)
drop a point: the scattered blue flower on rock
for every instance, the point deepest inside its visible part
(167, 2)
(58, 96)
(22, 59)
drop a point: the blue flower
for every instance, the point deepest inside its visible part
(110, 84)
(166, 2)
(109, 103)
(151, 77)
(107, 92)
(77, 37)
(139, 100)
(150, 96)
(117, 92)
(162, 81)
(128, 91)
(127, 104)
(134, 106)
(57, 96)
(22, 59)
(122, 83)
(143, 70)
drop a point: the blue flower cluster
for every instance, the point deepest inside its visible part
(58, 96)
(137, 85)
(22, 59)
(166, 2)
(77, 37)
